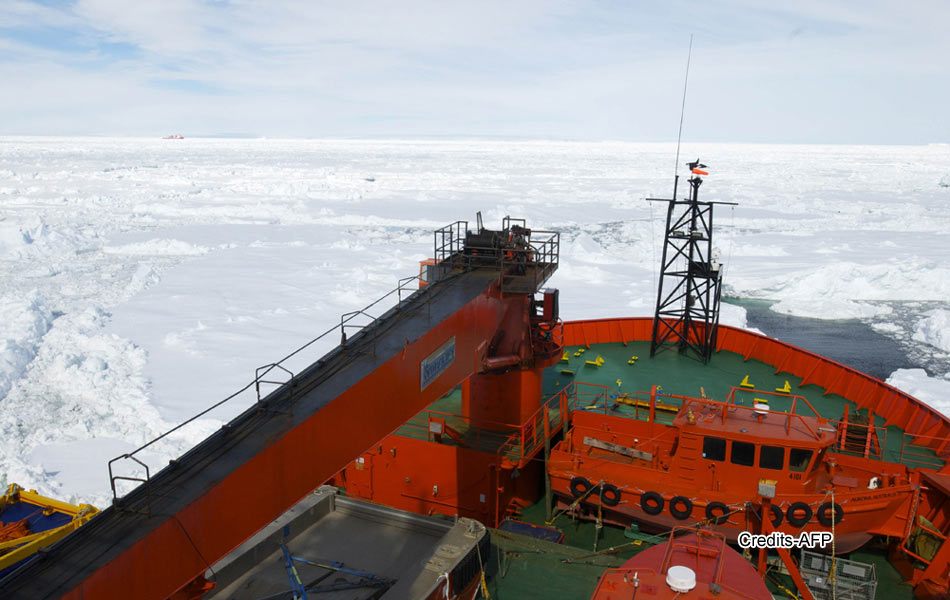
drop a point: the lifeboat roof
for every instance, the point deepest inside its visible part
(753, 422)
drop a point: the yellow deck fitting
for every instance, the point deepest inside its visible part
(759, 401)
(582, 350)
(745, 383)
(626, 399)
(619, 383)
(567, 372)
(787, 389)
(578, 353)
(597, 362)
(566, 356)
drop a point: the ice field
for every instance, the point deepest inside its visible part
(145, 279)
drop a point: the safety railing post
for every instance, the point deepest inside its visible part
(147, 481)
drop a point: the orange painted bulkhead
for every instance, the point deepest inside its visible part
(431, 478)
(508, 397)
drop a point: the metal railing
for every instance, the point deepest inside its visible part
(527, 441)
(449, 240)
(917, 454)
(261, 377)
(733, 398)
(524, 265)
(488, 436)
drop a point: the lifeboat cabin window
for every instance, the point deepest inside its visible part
(743, 453)
(798, 460)
(714, 448)
(772, 457)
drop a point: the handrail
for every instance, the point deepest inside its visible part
(920, 457)
(502, 426)
(873, 431)
(731, 397)
(148, 489)
(345, 319)
(802, 419)
(516, 442)
(452, 238)
(533, 263)
(258, 380)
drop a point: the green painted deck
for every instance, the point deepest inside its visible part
(684, 376)
(522, 567)
(674, 374)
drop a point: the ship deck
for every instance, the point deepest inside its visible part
(675, 375)
(521, 567)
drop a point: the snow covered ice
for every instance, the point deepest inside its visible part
(144, 280)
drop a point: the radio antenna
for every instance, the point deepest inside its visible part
(679, 136)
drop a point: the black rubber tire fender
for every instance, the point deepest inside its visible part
(579, 486)
(651, 503)
(685, 511)
(610, 495)
(714, 506)
(797, 520)
(777, 515)
(824, 513)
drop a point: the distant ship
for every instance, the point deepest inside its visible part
(174, 136)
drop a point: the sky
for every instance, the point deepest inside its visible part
(807, 71)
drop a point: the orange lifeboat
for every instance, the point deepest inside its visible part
(719, 463)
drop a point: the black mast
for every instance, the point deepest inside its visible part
(690, 284)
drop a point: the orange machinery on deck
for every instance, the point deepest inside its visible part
(477, 318)
(693, 563)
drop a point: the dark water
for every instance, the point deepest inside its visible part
(849, 342)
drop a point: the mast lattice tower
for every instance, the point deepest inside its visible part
(690, 284)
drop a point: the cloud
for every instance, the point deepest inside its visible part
(808, 71)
